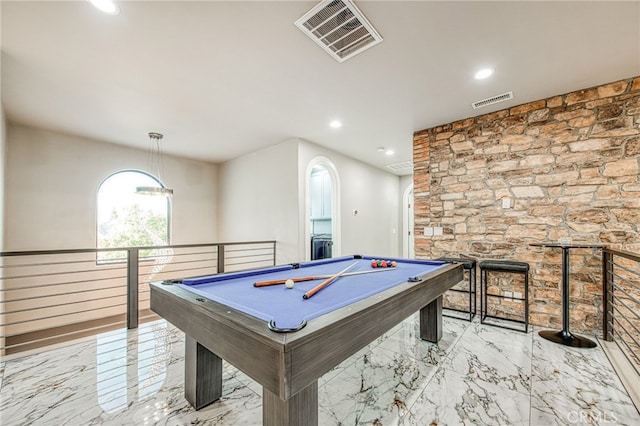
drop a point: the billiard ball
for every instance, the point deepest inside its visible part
(288, 283)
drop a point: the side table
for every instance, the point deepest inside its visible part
(564, 336)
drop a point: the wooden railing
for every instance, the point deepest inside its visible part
(621, 286)
(55, 295)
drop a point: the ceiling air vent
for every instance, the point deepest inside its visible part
(401, 167)
(339, 28)
(492, 100)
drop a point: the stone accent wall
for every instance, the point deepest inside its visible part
(566, 166)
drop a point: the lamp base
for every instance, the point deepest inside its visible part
(567, 339)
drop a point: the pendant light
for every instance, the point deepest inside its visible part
(156, 165)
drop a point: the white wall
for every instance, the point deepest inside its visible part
(3, 137)
(262, 197)
(51, 184)
(371, 191)
(3, 150)
(51, 180)
(3, 129)
(258, 199)
(2, 179)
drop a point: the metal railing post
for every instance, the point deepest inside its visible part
(220, 258)
(607, 296)
(132, 287)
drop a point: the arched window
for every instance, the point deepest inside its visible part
(128, 219)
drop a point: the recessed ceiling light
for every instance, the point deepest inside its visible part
(107, 6)
(484, 73)
(386, 151)
(335, 124)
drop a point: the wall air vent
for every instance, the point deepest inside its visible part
(339, 28)
(492, 100)
(401, 167)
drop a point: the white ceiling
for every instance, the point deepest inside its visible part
(221, 79)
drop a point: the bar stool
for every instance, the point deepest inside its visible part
(507, 267)
(469, 266)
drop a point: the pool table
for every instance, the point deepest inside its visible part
(286, 342)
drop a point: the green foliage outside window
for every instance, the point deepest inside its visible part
(126, 219)
(133, 227)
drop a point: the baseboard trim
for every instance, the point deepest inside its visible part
(37, 341)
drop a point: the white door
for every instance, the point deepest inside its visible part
(408, 238)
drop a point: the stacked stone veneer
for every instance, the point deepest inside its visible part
(569, 166)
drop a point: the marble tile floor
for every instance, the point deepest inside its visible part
(477, 374)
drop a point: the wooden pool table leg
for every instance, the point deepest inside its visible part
(300, 409)
(431, 321)
(202, 374)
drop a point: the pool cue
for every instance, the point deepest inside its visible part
(295, 280)
(328, 281)
(317, 277)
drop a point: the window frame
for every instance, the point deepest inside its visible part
(97, 225)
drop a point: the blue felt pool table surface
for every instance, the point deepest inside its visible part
(285, 308)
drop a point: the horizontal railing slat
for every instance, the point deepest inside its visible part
(55, 290)
(621, 285)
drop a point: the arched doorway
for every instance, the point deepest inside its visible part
(322, 210)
